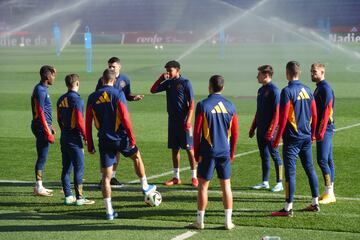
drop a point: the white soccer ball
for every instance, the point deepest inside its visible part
(161, 47)
(153, 199)
(156, 46)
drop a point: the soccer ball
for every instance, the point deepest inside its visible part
(156, 46)
(153, 199)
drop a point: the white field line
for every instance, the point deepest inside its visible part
(183, 236)
(236, 156)
(159, 175)
(347, 127)
(15, 181)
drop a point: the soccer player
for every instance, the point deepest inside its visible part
(107, 107)
(180, 108)
(70, 108)
(41, 125)
(297, 124)
(215, 136)
(324, 98)
(265, 121)
(122, 83)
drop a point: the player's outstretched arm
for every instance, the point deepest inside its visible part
(131, 97)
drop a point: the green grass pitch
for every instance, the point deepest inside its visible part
(23, 216)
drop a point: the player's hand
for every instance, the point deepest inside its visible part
(51, 138)
(251, 133)
(268, 137)
(319, 138)
(187, 126)
(199, 159)
(85, 142)
(53, 130)
(165, 76)
(91, 151)
(138, 97)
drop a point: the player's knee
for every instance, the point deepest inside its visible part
(136, 157)
(321, 162)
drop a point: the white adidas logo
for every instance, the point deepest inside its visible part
(303, 95)
(219, 108)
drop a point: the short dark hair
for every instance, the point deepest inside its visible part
(114, 60)
(293, 68)
(45, 71)
(70, 79)
(172, 64)
(217, 83)
(266, 69)
(108, 75)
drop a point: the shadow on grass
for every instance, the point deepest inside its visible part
(28, 184)
(29, 222)
(115, 225)
(258, 199)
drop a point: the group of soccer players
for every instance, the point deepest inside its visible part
(300, 118)
(107, 107)
(296, 115)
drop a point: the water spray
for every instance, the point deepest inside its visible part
(69, 34)
(215, 31)
(43, 17)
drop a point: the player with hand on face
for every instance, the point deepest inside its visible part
(265, 122)
(122, 83)
(325, 99)
(107, 108)
(41, 125)
(180, 108)
(70, 108)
